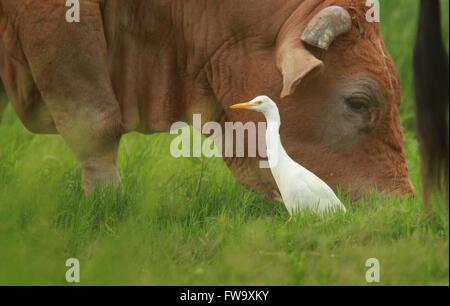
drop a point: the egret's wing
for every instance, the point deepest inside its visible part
(312, 193)
(302, 196)
(320, 188)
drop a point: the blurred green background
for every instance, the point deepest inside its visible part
(188, 222)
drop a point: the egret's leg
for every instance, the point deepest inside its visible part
(289, 220)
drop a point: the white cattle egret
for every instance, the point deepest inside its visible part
(300, 189)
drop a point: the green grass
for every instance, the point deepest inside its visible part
(176, 224)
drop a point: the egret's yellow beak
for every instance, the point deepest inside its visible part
(245, 105)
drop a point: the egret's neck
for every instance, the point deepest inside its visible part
(273, 117)
(275, 151)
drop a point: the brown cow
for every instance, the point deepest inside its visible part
(142, 65)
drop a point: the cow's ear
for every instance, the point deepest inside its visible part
(294, 61)
(295, 65)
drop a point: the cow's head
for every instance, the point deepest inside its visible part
(339, 98)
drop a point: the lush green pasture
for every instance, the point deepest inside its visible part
(188, 222)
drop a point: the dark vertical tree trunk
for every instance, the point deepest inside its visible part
(3, 100)
(432, 97)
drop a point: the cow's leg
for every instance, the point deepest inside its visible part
(68, 63)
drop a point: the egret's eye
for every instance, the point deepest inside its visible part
(356, 105)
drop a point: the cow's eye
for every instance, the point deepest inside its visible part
(356, 105)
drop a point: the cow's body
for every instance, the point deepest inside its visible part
(142, 65)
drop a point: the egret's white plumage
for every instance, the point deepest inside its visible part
(300, 188)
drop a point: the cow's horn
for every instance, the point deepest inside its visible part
(328, 24)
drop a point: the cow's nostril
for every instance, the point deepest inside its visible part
(405, 188)
(400, 188)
